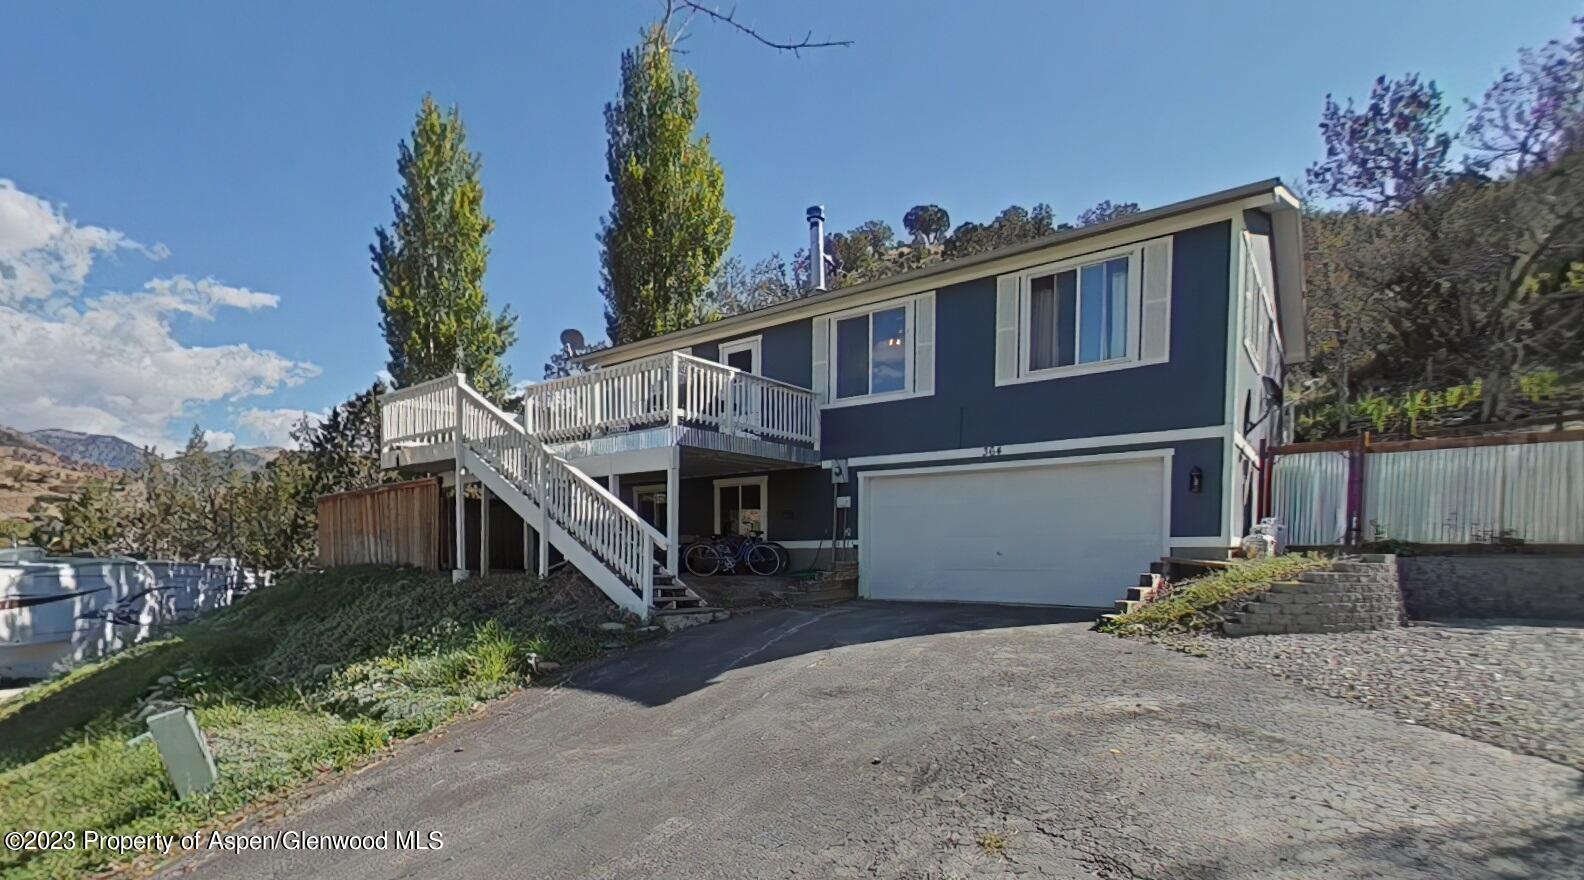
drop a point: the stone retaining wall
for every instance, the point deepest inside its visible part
(1508, 585)
(1354, 594)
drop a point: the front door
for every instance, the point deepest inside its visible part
(650, 504)
(746, 398)
(740, 506)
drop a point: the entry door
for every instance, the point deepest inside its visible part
(740, 506)
(650, 502)
(747, 402)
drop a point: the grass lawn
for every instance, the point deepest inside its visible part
(308, 676)
(1196, 604)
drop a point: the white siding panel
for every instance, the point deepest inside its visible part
(1006, 341)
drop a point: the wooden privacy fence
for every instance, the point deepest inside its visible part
(1469, 490)
(396, 524)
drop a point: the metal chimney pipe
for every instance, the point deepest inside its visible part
(816, 222)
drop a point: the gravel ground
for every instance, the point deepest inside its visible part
(1515, 684)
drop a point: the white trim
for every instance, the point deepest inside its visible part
(1202, 541)
(1164, 456)
(753, 344)
(762, 481)
(1208, 432)
(825, 304)
(811, 544)
(1235, 269)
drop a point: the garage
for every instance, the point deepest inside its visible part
(1065, 532)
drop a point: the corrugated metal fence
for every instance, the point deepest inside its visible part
(397, 524)
(1528, 487)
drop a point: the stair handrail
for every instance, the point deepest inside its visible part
(546, 466)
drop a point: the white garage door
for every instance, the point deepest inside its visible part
(1060, 534)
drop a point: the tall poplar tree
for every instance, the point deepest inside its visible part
(668, 225)
(430, 263)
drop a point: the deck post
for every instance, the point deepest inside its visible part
(484, 529)
(543, 557)
(459, 570)
(674, 510)
(675, 399)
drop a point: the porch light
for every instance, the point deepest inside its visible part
(1196, 480)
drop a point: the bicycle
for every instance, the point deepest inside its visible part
(724, 553)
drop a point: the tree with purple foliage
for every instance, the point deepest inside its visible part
(1533, 114)
(1388, 154)
(1433, 276)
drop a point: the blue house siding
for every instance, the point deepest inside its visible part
(968, 410)
(786, 351)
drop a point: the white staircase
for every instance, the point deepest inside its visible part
(598, 534)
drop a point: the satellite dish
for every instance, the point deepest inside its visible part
(572, 339)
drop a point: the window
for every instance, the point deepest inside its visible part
(872, 353)
(1261, 339)
(1079, 314)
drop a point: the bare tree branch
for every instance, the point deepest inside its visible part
(729, 18)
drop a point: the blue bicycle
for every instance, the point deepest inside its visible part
(725, 553)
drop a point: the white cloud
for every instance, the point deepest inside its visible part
(273, 427)
(44, 254)
(219, 439)
(112, 363)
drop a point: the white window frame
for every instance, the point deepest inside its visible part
(763, 482)
(1256, 286)
(1135, 300)
(910, 374)
(754, 344)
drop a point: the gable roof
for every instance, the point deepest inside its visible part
(831, 300)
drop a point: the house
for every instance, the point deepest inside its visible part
(1032, 425)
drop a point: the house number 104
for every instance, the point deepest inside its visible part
(992, 451)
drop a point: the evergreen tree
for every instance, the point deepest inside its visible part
(430, 263)
(668, 225)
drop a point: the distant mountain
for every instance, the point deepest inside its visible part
(113, 452)
(100, 449)
(35, 479)
(249, 458)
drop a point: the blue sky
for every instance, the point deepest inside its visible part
(254, 145)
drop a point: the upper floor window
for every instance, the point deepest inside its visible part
(1079, 316)
(1098, 312)
(871, 353)
(877, 352)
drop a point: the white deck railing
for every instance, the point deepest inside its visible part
(448, 411)
(670, 389)
(423, 415)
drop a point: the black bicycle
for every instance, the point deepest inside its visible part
(725, 554)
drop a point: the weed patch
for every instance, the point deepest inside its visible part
(1196, 604)
(310, 676)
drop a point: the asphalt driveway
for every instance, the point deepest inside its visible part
(936, 741)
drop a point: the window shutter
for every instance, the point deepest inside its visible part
(924, 344)
(821, 376)
(1155, 311)
(1006, 341)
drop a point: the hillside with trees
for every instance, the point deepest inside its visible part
(1445, 265)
